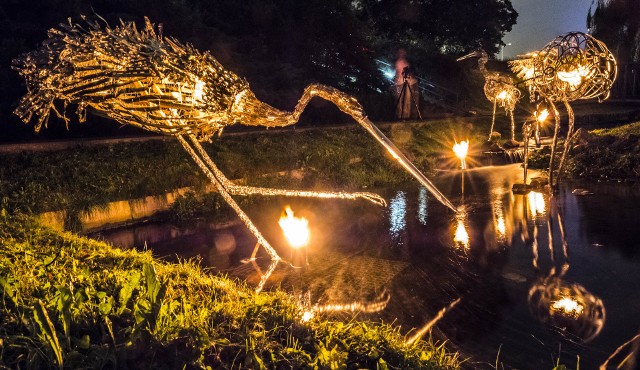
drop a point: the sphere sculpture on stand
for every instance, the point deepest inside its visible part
(573, 66)
(141, 78)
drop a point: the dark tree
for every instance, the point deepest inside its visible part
(439, 26)
(617, 24)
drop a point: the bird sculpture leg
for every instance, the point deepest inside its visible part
(227, 197)
(250, 190)
(556, 117)
(567, 142)
(513, 126)
(493, 117)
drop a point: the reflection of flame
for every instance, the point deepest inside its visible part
(295, 229)
(461, 236)
(542, 116)
(567, 306)
(536, 203)
(502, 95)
(574, 76)
(461, 149)
(502, 229)
(376, 305)
(398, 213)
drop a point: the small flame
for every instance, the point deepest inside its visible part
(461, 149)
(296, 229)
(568, 306)
(542, 116)
(307, 315)
(502, 95)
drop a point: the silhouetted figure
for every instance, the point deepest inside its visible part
(406, 89)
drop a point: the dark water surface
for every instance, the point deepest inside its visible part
(538, 279)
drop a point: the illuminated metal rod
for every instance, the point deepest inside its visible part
(350, 106)
(225, 195)
(431, 323)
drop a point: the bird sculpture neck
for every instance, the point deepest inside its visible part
(482, 61)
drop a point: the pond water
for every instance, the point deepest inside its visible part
(538, 278)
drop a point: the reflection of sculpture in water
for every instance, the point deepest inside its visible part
(140, 78)
(571, 67)
(568, 306)
(498, 88)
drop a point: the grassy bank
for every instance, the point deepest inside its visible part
(72, 302)
(602, 154)
(346, 158)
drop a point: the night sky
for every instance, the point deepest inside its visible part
(539, 21)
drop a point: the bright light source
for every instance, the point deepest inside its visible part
(536, 204)
(461, 236)
(542, 116)
(502, 95)
(568, 306)
(296, 229)
(461, 149)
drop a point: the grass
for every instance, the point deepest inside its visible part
(347, 159)
(72, 302)
(602, 154)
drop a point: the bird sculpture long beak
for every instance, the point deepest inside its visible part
(470, 55)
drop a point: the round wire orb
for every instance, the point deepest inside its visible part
(575, 66)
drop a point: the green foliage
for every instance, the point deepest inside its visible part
(602, 154)
(79, 303)
(347, 159)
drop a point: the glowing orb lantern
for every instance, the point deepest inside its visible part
(567, 306)
(296, 229)
(461, 149)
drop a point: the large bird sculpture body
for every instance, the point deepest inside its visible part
(141, 78)
(571, 67)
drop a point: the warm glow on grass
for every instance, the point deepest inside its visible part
(296, 229)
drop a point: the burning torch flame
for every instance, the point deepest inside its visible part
(461, 149)
(296, 229)
(568, 306)
(542, 116)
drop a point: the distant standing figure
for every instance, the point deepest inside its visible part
(406, 88)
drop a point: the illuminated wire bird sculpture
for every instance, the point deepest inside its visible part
(141, 78)
(573, 66)
(498, 88)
